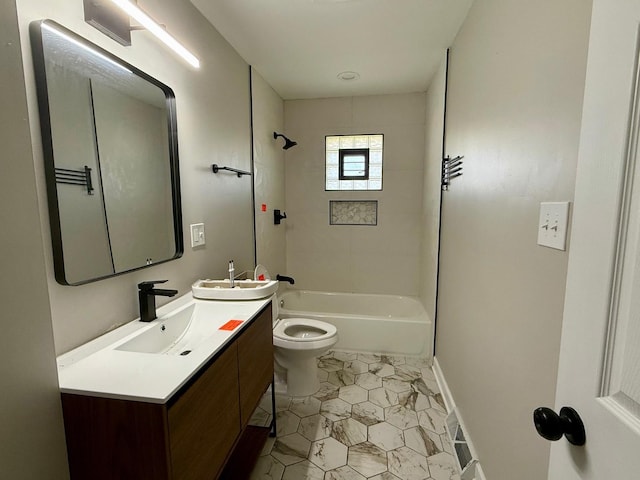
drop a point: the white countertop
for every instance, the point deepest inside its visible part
(98, 369)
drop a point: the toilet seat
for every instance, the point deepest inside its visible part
(303, 333)
(297, 343)
(318, 330)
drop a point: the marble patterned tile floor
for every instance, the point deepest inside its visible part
(375, 417)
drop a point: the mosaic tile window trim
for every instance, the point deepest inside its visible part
(348, 212)
(334, 144)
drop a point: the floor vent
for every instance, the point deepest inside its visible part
(467, 464)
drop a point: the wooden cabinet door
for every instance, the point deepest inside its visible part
(204, 423)
(255, 362)
(109, 438)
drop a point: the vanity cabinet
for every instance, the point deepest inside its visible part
(204, 422)
(190, 437)
(255, 364)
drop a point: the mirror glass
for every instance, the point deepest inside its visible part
(111, 159)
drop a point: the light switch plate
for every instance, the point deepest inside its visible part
(197, 235)
(553, 224)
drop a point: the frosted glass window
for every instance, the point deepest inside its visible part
(353, 162)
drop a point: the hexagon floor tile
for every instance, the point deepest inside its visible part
(315, 427)
(368, 459)
(407, 464)
(353, 394)
(386, 436)
(328, 453)
(349, 432)
(305, 406)
(376, 417)
(367, 413)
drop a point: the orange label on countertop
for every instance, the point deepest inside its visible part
(231, 325)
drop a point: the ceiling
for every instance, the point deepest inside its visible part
(300, 46)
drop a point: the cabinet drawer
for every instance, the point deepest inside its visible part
(204, 423)
(255, 362)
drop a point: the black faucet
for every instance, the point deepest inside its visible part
(147, 298)
(282, 278)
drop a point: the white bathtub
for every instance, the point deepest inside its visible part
(366, 323)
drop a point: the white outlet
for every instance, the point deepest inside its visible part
(197, 235)
(553, 224)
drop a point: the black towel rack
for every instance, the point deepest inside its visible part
(451, 168)
(75, 177)
(215, 168)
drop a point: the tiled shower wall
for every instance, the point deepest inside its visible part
(354, 258)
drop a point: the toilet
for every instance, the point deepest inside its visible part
(296, 344)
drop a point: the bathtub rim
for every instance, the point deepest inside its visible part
(420, 315)
(422, 346)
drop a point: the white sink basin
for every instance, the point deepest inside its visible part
(242, 290)
(174, 334)
(183, 330)
(151, 361)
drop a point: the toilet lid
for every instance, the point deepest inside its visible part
(303, 330)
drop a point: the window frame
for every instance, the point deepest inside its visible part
(342, 152)
(375, 164)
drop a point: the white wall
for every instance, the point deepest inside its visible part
(268, 116)
(430, 221)
(31, 432)
(136, 177)
(514, 105)
(213, 127)
(83, 224)
(371, 259)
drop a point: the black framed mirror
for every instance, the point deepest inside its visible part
(110, 148)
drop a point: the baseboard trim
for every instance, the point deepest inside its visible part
(443, 386)
(450, 404)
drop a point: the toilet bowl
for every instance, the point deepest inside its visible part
(296, 344)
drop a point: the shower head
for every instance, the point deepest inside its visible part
(287, 142)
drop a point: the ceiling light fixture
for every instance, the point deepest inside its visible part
(348, 76)
(98, 14)
(85, 47)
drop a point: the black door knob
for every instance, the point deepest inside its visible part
(552, 426)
